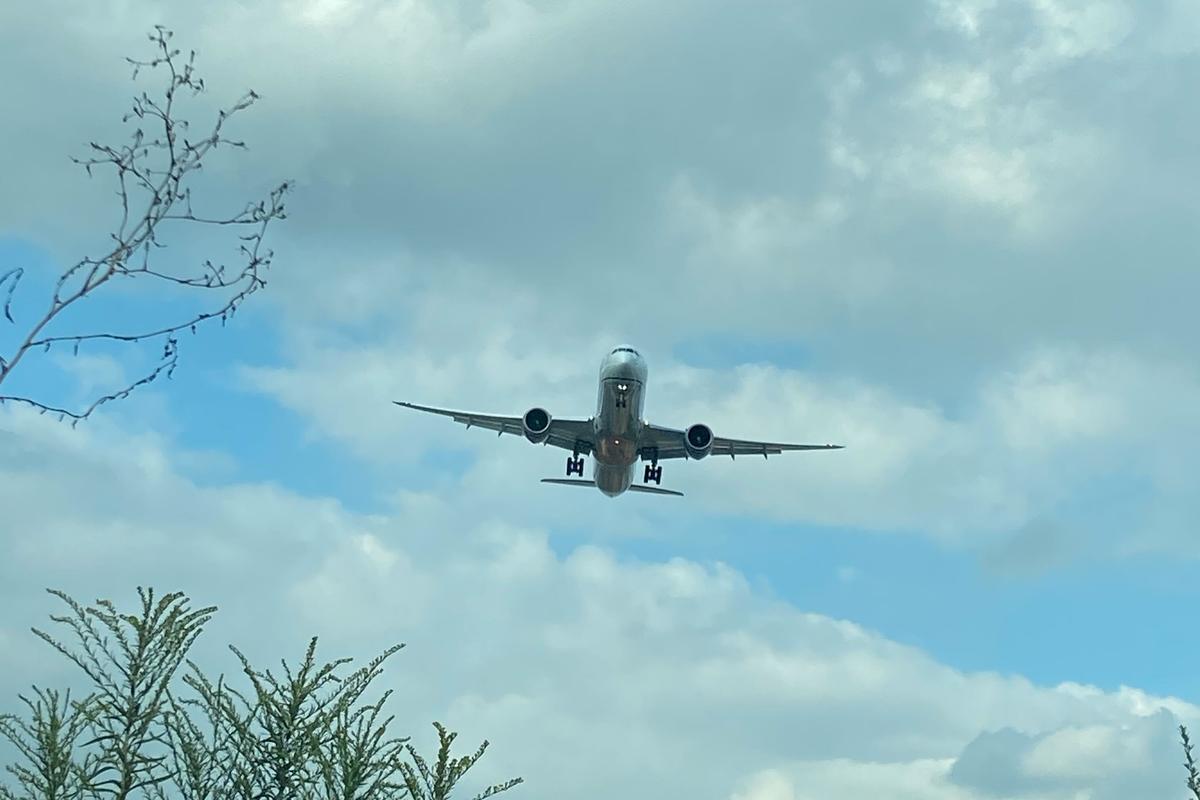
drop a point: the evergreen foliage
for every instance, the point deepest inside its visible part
(1189, 763)
(156, 726)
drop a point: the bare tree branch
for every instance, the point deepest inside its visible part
(12, 278)
(152, 171)
(166, 365)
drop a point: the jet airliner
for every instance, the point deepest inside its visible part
(617, 436)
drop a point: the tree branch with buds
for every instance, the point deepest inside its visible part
(153, 171)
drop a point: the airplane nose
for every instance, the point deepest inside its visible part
(623, 366)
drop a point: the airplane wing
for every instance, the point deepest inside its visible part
(569, 434)
(670, 444)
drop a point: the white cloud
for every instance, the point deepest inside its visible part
(591, 673)
(923, 779)
(1102, 761)
(984, 124)
(1071, 29)
(768, 785)
(1058, 31)
(963, 131)
(1086, 753)
(475, 180)
(878, 186)
(940, 225)
(1023, 443)
(965, 15)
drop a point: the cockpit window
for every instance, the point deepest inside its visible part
(624, 350)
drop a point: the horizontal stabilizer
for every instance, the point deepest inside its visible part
(637, 487)
(634, 488)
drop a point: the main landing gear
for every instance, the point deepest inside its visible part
(653, 473)
(653, 470)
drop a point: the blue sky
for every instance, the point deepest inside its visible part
(955, 237)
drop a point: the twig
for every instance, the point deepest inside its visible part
(152, 173)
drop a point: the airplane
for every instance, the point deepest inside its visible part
(617, 435)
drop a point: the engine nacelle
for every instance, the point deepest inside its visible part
(698, 441)
(536, 425)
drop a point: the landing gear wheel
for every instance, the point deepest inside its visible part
(653, 473)
(575, 466)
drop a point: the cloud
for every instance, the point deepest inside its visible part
(1013, 458)
(968, 127)
(917, 780)
(1108, 761)
(892, 191)
(769, 785)
(1071, 30)
(974, 222)
(591, 672)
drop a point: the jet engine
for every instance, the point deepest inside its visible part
(698, 440)
(536, 425)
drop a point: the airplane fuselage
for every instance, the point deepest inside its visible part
(618, 422)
